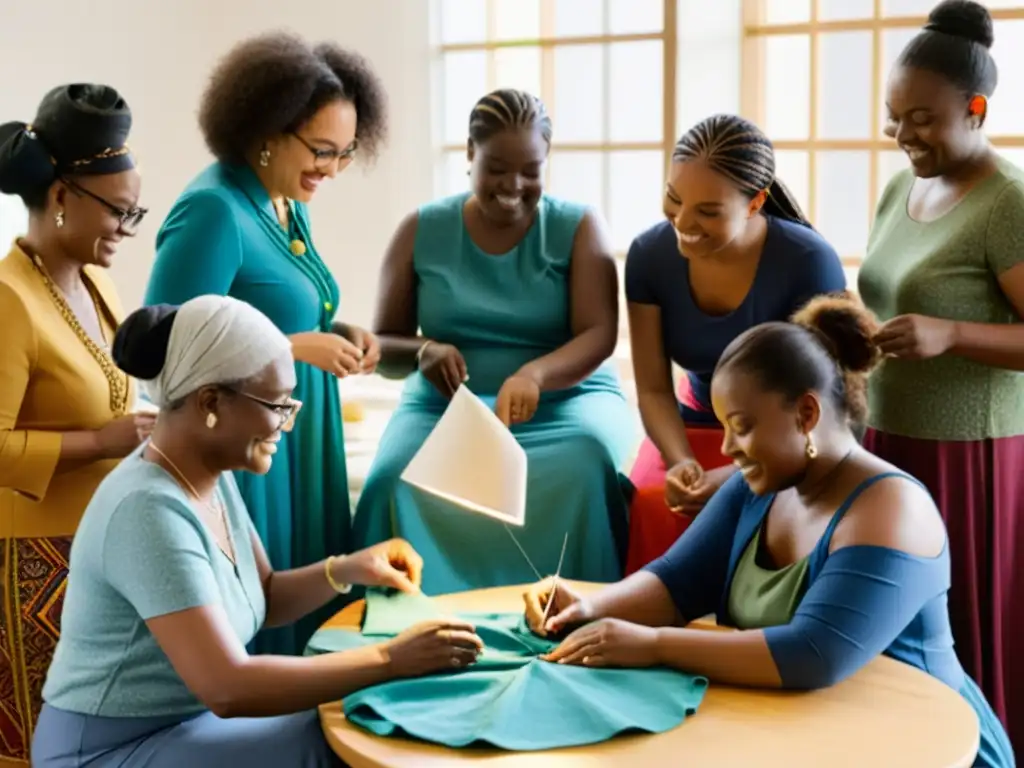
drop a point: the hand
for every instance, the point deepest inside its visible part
(432, 646)
(368, 344)
(915, 337)
(517, 399)
(121, 436)
(569, 608)
(443, 366)
(391, 563)
(608, 643)
(688, 487)
(327, 351)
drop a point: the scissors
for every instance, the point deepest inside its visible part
(554, 583)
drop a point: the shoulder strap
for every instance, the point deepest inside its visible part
(826, 538)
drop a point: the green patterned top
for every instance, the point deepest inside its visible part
(946, 268)
(762, 596)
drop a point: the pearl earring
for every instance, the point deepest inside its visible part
(211, 421)
(59, 218)
(265, 158)
(812, 449)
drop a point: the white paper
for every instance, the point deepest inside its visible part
(472, 460)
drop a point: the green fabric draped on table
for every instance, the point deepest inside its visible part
(509, 699)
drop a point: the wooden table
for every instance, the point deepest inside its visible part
(888, 714)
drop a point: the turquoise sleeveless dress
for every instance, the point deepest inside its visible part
(222, 237)
(501, 312)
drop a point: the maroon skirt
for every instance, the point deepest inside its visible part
(979, 489)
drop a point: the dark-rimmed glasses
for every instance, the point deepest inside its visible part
(286, 411)
(128, 220)
(323, 158)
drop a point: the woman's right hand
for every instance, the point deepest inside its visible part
(329, 352)
(443, 366)
(569, 609)
(123, 435)
(680, 481)
(433, 646)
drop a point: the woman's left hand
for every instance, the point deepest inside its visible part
(608, 643)
(916, 337)
(368, 344)
(690, 500)
(517, 399)
(391, 563)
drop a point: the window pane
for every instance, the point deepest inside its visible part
(632, 16)
(636, 91)
(578, 17)
(907, 7)
(517, 68)
(1006, 112)
(463, 21)
(787, 11)
(579, 93)
(842, 200)
(793, 169)
(889, 164)
(787, 80)
(451, 177)
(515, 19)
(832, 10)
(578, 176)
(635, 184)
(844, 85)
(464, 81)
(893, 43)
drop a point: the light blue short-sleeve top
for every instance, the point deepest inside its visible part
(142, 551)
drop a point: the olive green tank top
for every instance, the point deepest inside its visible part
(765, 597)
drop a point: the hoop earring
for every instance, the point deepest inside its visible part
(59, 219)
(211, 421)
(811, 450)
(265, 158)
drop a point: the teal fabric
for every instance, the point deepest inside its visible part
(509, 699)
(222, 237)
(502, 312)
(142, 551)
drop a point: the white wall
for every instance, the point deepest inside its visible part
(158, 53)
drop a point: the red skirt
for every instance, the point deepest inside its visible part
(978, 487)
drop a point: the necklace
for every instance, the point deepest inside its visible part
(117, 380)
(219, 510)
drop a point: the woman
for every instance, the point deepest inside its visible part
(169, 579)
(945, 271)
(65, 415)
(735, 251)
(516, 291)
(809, 537)
(281, 118)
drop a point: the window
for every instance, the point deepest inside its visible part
(814, 75)
(605, 71)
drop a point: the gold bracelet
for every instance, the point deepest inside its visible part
(419, 352)
(341, 589)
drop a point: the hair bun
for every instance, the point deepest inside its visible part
(846, 326)
(962, 18)
(25, 164)
(140, 344)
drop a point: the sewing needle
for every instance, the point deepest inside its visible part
(554, 584)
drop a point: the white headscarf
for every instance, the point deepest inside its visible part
(215, 340)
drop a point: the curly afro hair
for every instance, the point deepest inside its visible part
(274, 83)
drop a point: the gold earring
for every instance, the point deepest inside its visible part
(265, 158)
(211, 421)
(59, 218)
(811, 450)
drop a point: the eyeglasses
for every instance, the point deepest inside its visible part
(286, 411)
(128, 220)
(324, 158)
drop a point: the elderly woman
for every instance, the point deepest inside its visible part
(281, 118)
(169, 579)
(819, 553)
(64, 406)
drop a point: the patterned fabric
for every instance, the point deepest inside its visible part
(33, 575)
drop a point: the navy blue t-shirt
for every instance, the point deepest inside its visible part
(796, 265)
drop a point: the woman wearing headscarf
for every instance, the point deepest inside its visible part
(281, 117)
(65, 416)
(169, 579)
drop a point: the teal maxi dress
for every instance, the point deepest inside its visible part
(222, 237)
(501, 312)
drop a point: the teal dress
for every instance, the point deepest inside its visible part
(222, 237)
(502, 312)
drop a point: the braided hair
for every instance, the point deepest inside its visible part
(508, 109)
(739, 150)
